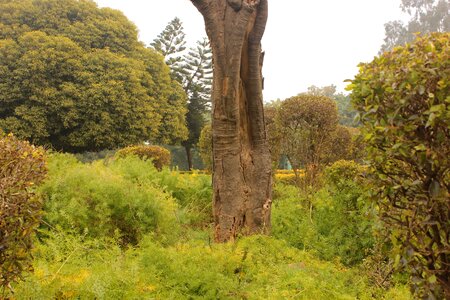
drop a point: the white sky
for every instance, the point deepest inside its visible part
(316, 42)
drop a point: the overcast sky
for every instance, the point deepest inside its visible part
(316, 42)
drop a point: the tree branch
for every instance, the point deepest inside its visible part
(260, 24)
(201, 4)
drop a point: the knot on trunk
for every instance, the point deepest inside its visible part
(235, 4)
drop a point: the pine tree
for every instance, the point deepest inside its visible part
(197, 84)
(193, 70)
(171, 43)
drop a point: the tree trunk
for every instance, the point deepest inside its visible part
(188, 156)
(242, 174)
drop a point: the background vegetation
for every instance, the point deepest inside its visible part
(363, 214)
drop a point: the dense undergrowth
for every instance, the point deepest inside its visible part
(119, 229)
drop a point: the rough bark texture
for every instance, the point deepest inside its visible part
(188, 156)
(242, 178)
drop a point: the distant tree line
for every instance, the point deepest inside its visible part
(425, 16)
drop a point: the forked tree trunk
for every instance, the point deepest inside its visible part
(242, 178)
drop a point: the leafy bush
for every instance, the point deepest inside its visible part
(205, 146)
(346, 218)
(193, 192)
(22, 166)
(258, 267)
(338, 225)
(101, 200)
(160, 156)
(291, 219)
(306, 125)
(404, 103)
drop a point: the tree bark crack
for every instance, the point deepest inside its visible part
(241, 159)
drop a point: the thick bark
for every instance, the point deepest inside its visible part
(242, 178)
(188, 156)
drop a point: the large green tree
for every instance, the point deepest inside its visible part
(192, 69)
(425, 16)
(81, 21)
(75, 77)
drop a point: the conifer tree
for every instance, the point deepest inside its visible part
(171, 43)
(197, 84)
(193, 70)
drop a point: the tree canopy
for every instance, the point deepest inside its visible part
(75, 77)
(425, 16)
(346, 112)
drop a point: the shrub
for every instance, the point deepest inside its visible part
(205, 146)
(338, 224)
(103, 201)
(291, 219)
(257, 267)
(193, 192)
(22, 166)
(306, 126)
(404, 104)
(346, 217)
(160, 156)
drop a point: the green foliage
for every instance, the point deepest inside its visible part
(192, 192)
(197, 85)
(404, 103)
(257, 267)
(75, 77)
(92, 209)
(170, 43)
(339, 225)
(347, 220)
(346, 112)
(307, 123)
(101, 200)
(205, 146)
(341, 144)
(193, 71)
(22, 167)
(80, 21)
(159, 156)
(273, 134)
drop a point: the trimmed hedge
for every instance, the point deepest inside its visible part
(160, 156)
